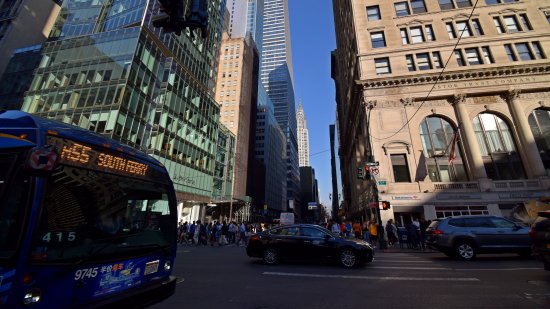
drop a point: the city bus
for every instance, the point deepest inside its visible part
(85, 221)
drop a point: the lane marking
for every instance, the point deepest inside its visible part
(368, 277)
(400, 261)
(499, 269)
(409, 268)
(180, 280)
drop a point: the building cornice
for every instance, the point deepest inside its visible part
(453, 76)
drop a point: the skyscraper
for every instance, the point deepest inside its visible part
(303, 136)
(106, 69)
(24, 23)
(277, 75)
(268, 180)
(246, 16)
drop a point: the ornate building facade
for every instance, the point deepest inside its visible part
(450, 97)
(303, 136)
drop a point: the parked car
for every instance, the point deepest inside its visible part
(310, 243)
(466, 236)
(540, 234)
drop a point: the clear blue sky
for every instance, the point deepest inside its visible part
(312, 40)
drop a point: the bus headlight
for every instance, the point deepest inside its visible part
(32, 297)
(167, 266)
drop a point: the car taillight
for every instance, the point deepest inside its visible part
(436, 232)
(254, 238)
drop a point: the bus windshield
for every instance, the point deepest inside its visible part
(14, 194)
(95, 215)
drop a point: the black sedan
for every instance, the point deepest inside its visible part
(540, 233)
(307, 242)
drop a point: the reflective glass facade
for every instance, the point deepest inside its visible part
(276, 75)
(270, 149)
(225, 162)
(107, 69)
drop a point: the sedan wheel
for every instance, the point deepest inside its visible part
(271, 257)
(348, 258)
(465, 251)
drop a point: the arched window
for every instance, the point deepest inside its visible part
(437, 137)
(498, 148)
(539, 121)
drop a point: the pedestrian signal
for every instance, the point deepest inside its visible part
(367, 172)
(360, 173)
(386, 205)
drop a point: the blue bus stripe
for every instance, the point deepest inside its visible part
(5, 287)
(8, 274)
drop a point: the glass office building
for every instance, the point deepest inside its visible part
(276, 75)
(270, 149)
(106, 69)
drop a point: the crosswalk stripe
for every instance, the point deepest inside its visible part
(369, 277)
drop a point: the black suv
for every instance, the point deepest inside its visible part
(466, 236)
(540, 233)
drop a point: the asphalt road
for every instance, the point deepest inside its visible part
(225, 277)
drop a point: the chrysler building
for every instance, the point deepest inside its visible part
(303, 136)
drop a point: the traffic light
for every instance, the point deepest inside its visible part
(367, 172)
(360, 174)
(386, 205)
(180, 14)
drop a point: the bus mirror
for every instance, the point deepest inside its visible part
(41, 161)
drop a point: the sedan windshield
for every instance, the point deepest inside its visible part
(14, 195)
(88, 215)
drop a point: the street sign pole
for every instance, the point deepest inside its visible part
(381, 240)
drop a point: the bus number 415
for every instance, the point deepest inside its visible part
(59, 236)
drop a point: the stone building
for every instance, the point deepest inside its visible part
(409, 74)
(235, 88)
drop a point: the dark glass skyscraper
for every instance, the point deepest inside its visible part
(106, 69)
(276, 75)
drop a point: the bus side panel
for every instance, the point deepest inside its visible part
(7, 276)
(88, 285)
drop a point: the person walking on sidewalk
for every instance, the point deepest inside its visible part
(365, 230)
(373, 232)
(232, 231)
(224, 231)
(335, 228)
(391, 230)
(357, 230)
(242, 232)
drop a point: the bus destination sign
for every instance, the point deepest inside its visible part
(79, 154)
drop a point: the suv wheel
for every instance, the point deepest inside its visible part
(465, 250)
